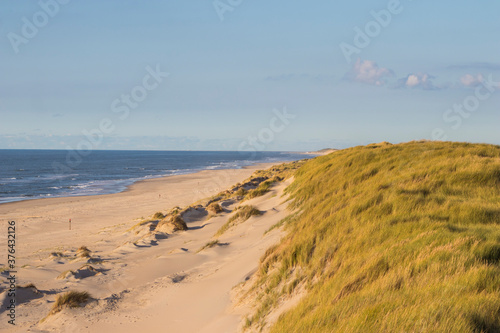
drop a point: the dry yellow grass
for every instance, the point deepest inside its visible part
(390, 238)
(71, 299)
(242, 214)
(214, 208)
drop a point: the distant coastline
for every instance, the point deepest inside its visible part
(108, 172)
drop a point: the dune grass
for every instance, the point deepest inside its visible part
(283, 171)
(262, 189)
(209, 245)
(83, 252)
(71, 299)
(141, 223)
(214, 208)
(390, 238)
(28, 286)
(242, 214)
(158, 216)
(241, 192)
(176, 222)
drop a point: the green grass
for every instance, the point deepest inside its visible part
(262, 189)
(242, 214)
(283, 171)
(241, 192)
(390, 238)
(274, 174)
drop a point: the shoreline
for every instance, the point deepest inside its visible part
(133, 268)
(128, 187)
(141, 199)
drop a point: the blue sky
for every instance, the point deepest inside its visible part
(233, 65)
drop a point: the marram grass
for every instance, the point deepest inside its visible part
(390, 238)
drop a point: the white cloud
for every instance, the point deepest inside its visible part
(369, 72)
(421, 80)
(469, 80)
(412, 81)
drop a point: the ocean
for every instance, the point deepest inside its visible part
(35, 174)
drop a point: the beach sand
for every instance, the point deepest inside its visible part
(138, 282)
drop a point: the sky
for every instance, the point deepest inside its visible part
(243, 75)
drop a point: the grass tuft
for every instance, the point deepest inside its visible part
(209, 245)
(29, 286)
(175, 223)
(158, 216)
(262, 189)
(71, 299)
(242, 214)
(83, 252)
(214, 208)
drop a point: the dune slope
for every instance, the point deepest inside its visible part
(389, 238)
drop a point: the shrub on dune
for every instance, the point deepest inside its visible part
(214, 208)
(159, 216)
(172, 224)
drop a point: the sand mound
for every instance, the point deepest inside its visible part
(192, 214)
(23, 295)
(56, 255)
(214, 208)
(171, 224)
(81, 273)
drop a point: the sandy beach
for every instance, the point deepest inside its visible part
(138, 281)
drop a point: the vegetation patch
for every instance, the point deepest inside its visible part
(158, 216)
(83, 252)
(143, 223)
(214, 208)
(71, 299)
(29, 286)
(242, 214)
(209, 245)
(389, 238)
(262, 189)
(172, 224)
(57, 254)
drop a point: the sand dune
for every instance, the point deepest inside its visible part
(140, 278)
